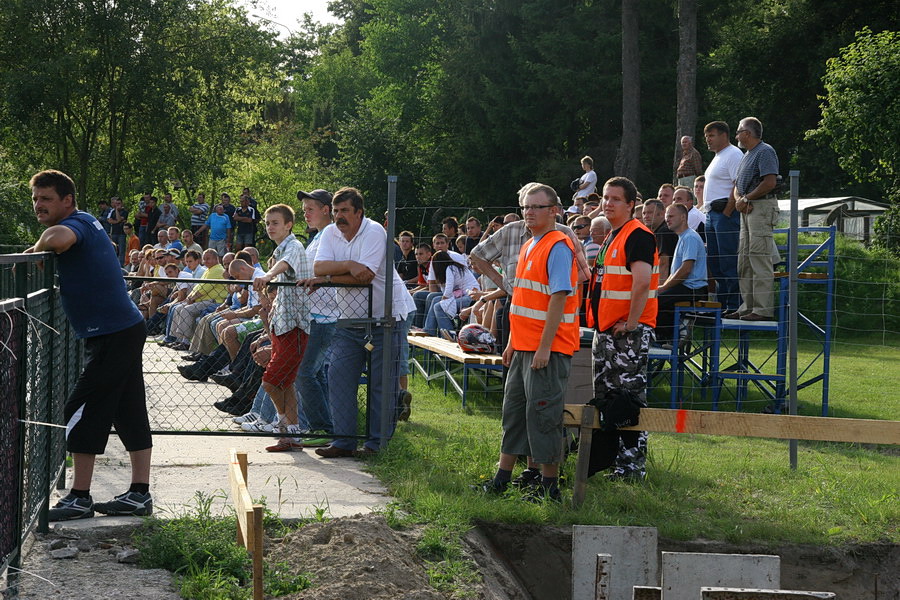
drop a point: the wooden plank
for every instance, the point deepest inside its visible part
(585, 437)
(256, 551)
(452, 351)
(787, 427)
(240, 496)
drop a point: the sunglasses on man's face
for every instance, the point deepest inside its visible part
(580, 227)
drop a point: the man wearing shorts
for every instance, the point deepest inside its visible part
(544, 333)
(288, 323)
(110, 389)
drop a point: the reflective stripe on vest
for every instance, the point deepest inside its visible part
(531, 297)
(529, 284)
(615, 292)
(531, 313)
(616, 295)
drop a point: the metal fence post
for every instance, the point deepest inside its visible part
(52, 387)
(388, 323)
(793, 240)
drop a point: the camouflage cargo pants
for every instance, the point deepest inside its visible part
(621, 363)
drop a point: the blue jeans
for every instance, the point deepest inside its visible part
(438, 319)
(119, 240)
(424, 300)
(265, 408)
(722, 235)
(312, 381)
(343, 383)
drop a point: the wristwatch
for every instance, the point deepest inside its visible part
(328, 279)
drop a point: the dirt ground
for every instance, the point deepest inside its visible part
(361, 558)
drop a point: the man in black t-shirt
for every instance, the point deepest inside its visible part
(405, 261)
(246, 218)
(654, 217)
(623, 306)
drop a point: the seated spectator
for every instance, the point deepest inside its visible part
(456, 281)
(600, 228)
(425, 298)
(655, 219)
(174, 237)
(423, 261)
(187, 240)
(684, 197)
(450, 228)
(581, 225)
(162, 239)
(406, 265)
(461, 244)
(592, 204)
(473, 234)
(687, 282)
(494, 225)
(202, 299)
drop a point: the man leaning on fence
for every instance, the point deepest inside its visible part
(352, 251)
(110, 390)
(544, 333)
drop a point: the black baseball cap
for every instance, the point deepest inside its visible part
(320, 196)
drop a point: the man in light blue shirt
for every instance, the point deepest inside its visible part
(220, 228)
(687, 282)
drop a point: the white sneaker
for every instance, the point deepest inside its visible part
(250, 417)
(223, 372)
(257, 427)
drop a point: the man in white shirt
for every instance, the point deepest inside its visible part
(588, 182)
(352, 250)
(723, 224)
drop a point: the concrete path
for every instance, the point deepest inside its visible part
(295, 484)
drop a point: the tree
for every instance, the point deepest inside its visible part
(686, 90)
(630, 145)
(861, 112)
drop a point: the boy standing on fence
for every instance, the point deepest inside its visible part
(110, 390)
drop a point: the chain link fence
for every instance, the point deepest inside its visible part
(40, 360)
(224, 359)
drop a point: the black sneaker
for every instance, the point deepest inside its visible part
(490, 487)
(127, 504)
(70, 508)
(538, 494)
(405, 405)
(528, 478)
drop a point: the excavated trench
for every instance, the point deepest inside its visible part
(531, 562)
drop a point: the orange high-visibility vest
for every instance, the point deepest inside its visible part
(531, 297)
(615, 290)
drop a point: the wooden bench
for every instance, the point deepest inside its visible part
(785, 427)
(450, 360)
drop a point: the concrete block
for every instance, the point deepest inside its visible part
(646, 592)
(684, 573)
(724, 593)
(633, 559)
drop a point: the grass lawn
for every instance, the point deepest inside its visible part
(724, 488)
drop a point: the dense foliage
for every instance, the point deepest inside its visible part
(465, 101)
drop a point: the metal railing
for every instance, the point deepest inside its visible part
(40, 360)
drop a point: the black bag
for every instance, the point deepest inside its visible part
(619, 408)
(576, 183)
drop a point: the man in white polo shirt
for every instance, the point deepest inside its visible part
(352, 250)
(723, 224)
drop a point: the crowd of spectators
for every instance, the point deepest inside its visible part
(271, 345)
